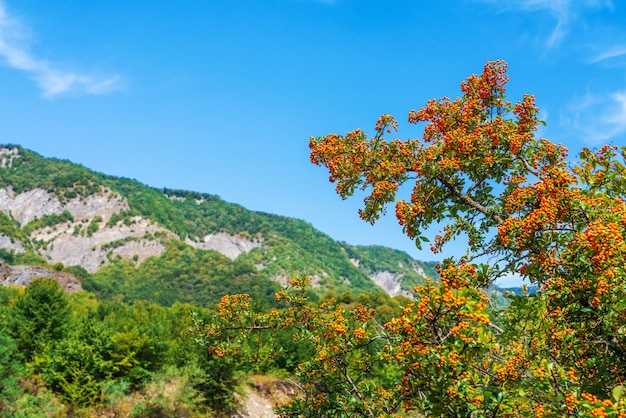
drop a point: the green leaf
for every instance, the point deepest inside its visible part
(617, 392)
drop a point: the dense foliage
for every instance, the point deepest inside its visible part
(62, 355)
(122, 356)
(480, 172)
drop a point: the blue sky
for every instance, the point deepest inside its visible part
(222, 96)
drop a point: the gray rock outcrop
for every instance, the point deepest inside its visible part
(24, 275)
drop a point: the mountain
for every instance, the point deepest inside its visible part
(120, 237)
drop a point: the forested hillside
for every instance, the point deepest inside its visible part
(118, 273)
(194, 247)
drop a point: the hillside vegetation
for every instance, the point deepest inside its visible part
(118, 231)
(152, 265)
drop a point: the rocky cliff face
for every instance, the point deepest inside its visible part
(88, 236)
(24, 275)
(390, 283)
(229, 245)
(74, 242)
(90, 240)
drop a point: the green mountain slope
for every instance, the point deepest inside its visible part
(121, 237)
(393, 270)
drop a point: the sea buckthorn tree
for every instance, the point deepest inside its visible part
(479, 172)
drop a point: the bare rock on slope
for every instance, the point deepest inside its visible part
(262, 394)
(11, 245)
(26, 206)
(92, 251)
(229, 245)
(70, 243)
(36, 203)
(390, 283)
(24, 275)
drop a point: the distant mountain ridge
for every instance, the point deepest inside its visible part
(159, 243)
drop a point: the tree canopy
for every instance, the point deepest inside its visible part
(479, 171)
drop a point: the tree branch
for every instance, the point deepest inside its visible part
(527, 166)
(471, 202)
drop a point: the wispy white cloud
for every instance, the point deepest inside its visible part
(567, 13)
(597, 118)
(51, 79)
(612, 52)
(560, 9)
